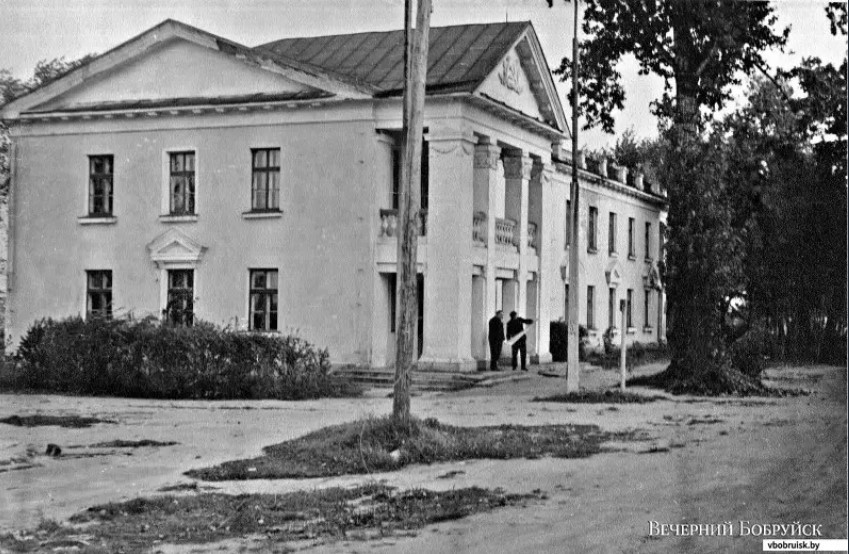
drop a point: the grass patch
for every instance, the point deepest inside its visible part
(332, 514)
(377, 444)
(599, 397)
(75, 422)
(185, 487)
(132, 444)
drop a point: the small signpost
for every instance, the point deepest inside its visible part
(623, 305)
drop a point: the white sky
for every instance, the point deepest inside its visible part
(32, 30)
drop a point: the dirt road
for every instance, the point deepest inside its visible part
(701, 461)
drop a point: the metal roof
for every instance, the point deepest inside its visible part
(460, 56)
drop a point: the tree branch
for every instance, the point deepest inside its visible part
(714, 49)
(772, 79)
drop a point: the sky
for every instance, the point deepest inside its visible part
(33, 30)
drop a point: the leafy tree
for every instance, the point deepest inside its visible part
(789, 154)
(836, 12)
(701, 48)
(45, 72)
(645, 155)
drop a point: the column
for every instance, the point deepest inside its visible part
(550, 250)
(486, 175)
(517, 173)
(448, 276)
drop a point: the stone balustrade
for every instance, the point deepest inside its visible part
(505, 231)
(390, 227)
(479, 228)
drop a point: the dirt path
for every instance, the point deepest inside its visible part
(779, 460)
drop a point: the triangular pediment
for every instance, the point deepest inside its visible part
(176, 61)
(613, 273)
(176, 69)
(651, 277)
(174, 246)
(522, 81)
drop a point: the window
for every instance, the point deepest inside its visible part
(611, 234)
(265, 181)
(99, 293)
(392, 279)
(631, 248)
(397, 161)
(593, 224)
(590, 307)
(611, 309)
(567, 231)
(263, 299)
(100, 185)
(396, 178)
(646, 322)
(648, 240)
(181, 293)
(628, 318)
(425, 185)
(661, 238)
(181, 185)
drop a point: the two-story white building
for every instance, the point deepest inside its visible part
(185, 176)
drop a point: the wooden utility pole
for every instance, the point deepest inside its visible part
(573, 368)
(623, 349)
(415, 75)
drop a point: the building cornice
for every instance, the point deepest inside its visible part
(165, 111)
(611, 184)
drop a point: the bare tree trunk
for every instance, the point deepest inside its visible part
(414, 94)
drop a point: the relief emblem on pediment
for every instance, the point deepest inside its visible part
(509, 74)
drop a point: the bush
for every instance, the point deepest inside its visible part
(607, 339)
(637, 354)
(141, 358)
(559, 341)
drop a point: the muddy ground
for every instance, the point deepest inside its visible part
(692, 460)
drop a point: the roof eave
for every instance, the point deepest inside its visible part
(516, 117)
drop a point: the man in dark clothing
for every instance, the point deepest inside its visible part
(515, 326)
(496, 339)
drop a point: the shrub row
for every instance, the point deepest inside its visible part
(636, 354)
(146, 359)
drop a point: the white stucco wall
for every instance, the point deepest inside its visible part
(594, 265)
(321, 244)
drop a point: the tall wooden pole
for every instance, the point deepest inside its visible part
(623, 349)
(410, 216)
(573, 368)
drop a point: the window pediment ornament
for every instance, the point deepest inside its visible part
(613, 273)
(175, 247)
(651, 277)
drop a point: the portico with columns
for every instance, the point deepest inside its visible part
(491, 222)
